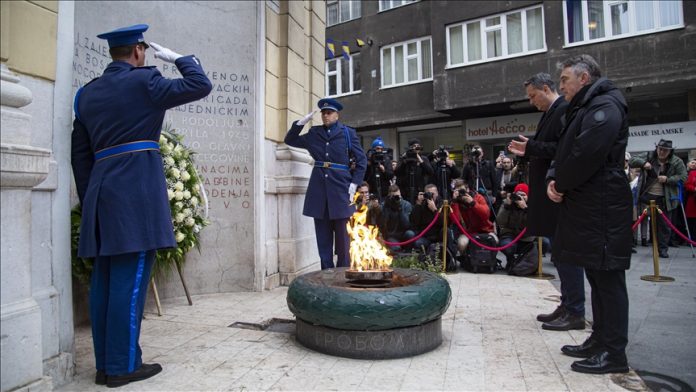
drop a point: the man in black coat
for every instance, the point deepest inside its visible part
(479, 173)
(413, 171)
(543, 213)
(595, 210)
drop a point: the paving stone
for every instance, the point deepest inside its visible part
(491, 342)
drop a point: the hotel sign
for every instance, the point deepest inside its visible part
(502, 127)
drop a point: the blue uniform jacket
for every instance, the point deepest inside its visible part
(327, 192)
(124, 198)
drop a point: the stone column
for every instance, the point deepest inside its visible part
(22, 167)
(297, 249)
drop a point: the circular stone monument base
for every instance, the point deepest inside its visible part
(383, 344)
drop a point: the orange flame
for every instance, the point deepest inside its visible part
(366, 253)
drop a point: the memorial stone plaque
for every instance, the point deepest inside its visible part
(220, 128)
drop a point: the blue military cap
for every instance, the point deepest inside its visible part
(330, 104)
(125, 36)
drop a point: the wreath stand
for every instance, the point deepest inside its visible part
(178, 267)
(154, 290)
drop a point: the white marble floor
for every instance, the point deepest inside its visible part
(492, 342)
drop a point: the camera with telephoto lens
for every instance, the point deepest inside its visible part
(441, 152)
(393, 202)
(460, 199)
(476, 152)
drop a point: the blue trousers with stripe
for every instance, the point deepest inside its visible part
(328, 231)
(117, 298)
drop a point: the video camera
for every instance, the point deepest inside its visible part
(378, 157)
(410, 156)
(441, 152)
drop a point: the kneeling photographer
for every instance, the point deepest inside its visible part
(471, 208)
(445, 170)
(424, 211)
(512, 219)
(379, 169)
(413, 171)
(393, 218)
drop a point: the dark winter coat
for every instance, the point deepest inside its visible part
(124, 200)
(543, 213)
(594, 218)
(422, 172)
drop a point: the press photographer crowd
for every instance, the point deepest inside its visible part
(571, 190)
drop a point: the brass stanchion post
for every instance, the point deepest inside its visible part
(445, 210)
(157, 301)
(656, 261)
(540, 272)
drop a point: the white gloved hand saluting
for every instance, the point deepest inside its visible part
(165, 54)
(351, 191)
(306, 118)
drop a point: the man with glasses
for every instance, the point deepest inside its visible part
(123, 192)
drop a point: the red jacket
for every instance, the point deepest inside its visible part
(476, 218)
(690, 190)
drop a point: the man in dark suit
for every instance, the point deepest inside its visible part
(542, 212)
(335, 149)
(121, 185)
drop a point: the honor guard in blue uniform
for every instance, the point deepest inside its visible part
(339, 166)
(121, 185)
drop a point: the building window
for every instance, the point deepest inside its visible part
(339, 11)
(512, 34)
(343, 76)
(588, 21)
(407, 62)
(389, 4)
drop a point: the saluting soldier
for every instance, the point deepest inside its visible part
(122, 188)
(335, 149)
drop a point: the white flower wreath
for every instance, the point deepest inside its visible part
(187, 199)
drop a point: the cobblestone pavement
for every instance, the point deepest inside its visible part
(491, 342)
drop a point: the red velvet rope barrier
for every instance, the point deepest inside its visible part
(640, 219)
(422, 233)
(685, 238)
(454, 218)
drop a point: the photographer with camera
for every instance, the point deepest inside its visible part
(379, 169)
(368, 200)
(413, 170)
(471, 208)
(424, 211)
(512, 219)
(479, 174)
(393, 218)
(445, 170)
